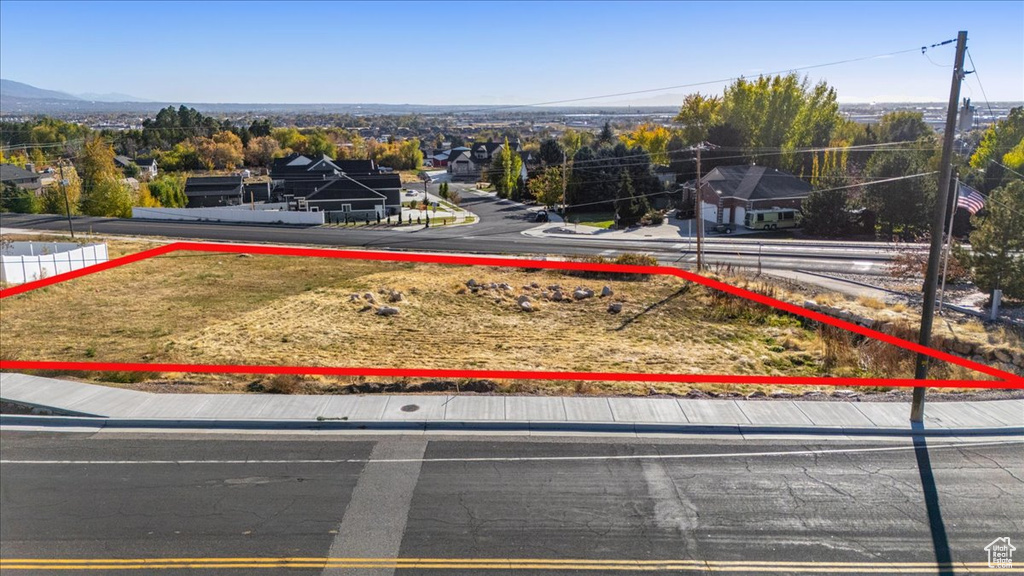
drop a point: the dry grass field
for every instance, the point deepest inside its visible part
(205, 308)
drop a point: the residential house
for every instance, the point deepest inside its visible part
(209, 191)
(470, 163)
(147, 166)
(20, 177)
(358, 187)
(729, 191)
(123, 162)
(257, 192)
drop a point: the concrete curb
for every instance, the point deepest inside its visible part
(142, 424)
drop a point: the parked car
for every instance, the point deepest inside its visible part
(541, 216)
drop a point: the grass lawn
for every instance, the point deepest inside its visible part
(604, 219)
(208, 308)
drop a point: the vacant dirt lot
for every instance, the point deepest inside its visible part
(251, 309)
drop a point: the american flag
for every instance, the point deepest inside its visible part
(970, 199)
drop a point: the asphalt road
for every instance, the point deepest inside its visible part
(499, 231)
(471, 505)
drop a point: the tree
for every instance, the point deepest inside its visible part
(606, 136)
(780, 112)
(169, 190)
(53, 199)
(261, 151)
(145, 198)
(573, 140)
(184, 156)
(546, 187)
(1003, 143)
(997, 242)
(629, 208)
(109, 197)
(551, 152)
(224, 151)
(901, 205)
(652, 138)
(96, 162)
(260, 128)
(505, 171)
(697, 114)
(14, 198)
(825, 208)
(903, 126)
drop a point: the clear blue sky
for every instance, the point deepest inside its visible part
(497, 53)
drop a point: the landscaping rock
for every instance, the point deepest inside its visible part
(845, 394)
(781, 394)
(615, 307)
(523, 298)
(492, 286)
(525, 306)
(505, 287)
(369, 298)
(963, 348)
(756, 394)
(472, 283)
(395, 296)
(582, 293)
(606, 291)
(1003, 355)
(534, 285)
(354, 297)
(557, 296)
(387, 311)
(555, 288)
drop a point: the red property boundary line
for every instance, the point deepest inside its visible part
(1003, 379)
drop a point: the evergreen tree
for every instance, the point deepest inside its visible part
(997, 243)
(629, 208)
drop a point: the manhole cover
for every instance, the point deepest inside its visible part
(410, 408)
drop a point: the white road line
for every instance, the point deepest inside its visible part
(822, 452)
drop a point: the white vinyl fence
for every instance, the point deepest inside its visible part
(22, 262)
(233, 214)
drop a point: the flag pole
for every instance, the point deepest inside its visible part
(949, 245)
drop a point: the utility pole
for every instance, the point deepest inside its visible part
(938, 225)
(564, 163)
(67, 203)
(699, 215)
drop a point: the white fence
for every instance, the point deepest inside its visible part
(23, 262)
(233, 214)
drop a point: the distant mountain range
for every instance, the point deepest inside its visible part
(9, 89)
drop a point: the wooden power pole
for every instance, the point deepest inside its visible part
(938, 225)
(699, 215)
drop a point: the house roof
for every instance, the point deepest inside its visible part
(12, 172)
(344, 187)
(145, 162)
(213, 186)
(123, 160)
(755, 183)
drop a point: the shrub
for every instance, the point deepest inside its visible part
(653, 218)
(627, 259)
(284, 384)
(914, 265)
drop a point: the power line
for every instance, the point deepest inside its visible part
(883, 181)
(974, 70)
(707, 82)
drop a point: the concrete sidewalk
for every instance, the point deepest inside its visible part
(128, 408)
